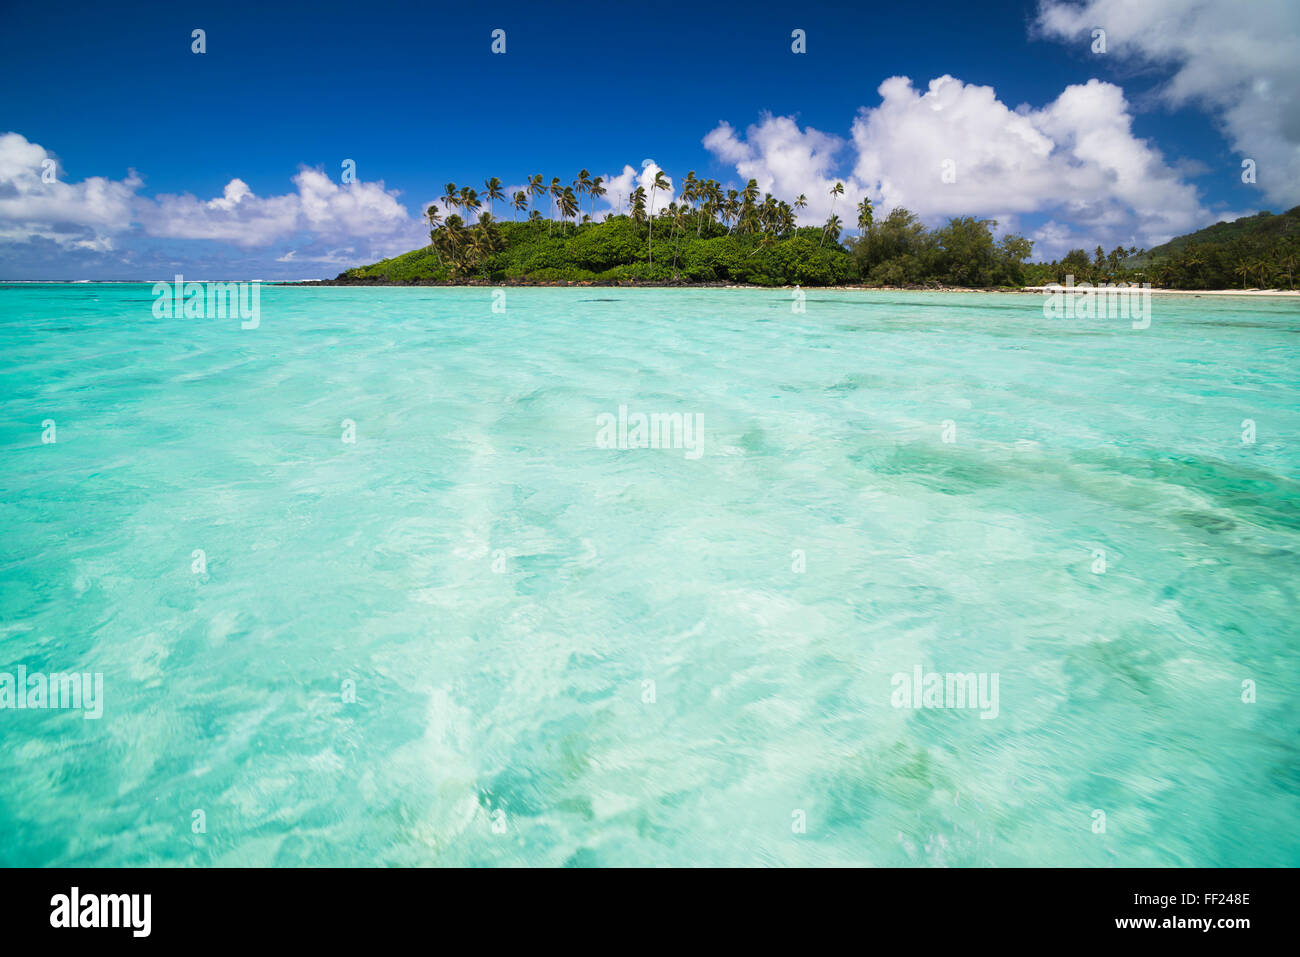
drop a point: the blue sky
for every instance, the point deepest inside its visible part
(411, 92)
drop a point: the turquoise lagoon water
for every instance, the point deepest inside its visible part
(501, 591)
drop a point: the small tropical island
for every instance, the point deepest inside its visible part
(709, 235)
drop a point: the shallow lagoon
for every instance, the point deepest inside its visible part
(475, 636)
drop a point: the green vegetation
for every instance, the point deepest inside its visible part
(899, 251)
(712, 235)
(1260, 251)
(708, 235)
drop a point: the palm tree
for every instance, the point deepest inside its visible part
(787, 220)
(568, 204)
(748, 196)
(1243, 269)
(712, 202)
(764, 242)
(494, 191)
(556, 191)
(679, 227)
(748, 222)
(520, 203)
(433, 217)
(454, 232)
(582, 183)
(469, 202)
(800, 202)
(481, 245)
(864, 214)
(1194, 261)
(535, 189)
(833, 227)
(769, 214)
(1287, 260)
(836, 190)
(450, 198)
(690, 190)
(659, 182)
(731, 210)
(595, 191)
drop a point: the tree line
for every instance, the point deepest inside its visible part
(711, 234)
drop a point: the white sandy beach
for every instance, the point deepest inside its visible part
(1202, 292)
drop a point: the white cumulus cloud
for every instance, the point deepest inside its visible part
(1077, 157)
(619, 188)
(784, 160)
(85, 214)
(320, 207)
(955, 149)
(1237, 60)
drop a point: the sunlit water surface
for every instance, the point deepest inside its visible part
(615, 649)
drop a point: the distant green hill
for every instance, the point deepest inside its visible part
(1263, 227)
(1260, 252)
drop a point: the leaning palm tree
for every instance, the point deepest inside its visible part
(765, 241)
(659, 182)
(494, 191)
(731, 210)
(434, 217)
(520, 203)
